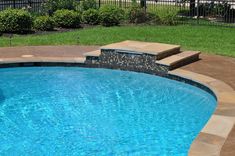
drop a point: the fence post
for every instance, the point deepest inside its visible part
(192, 4)
(99, 3)
(198, 11)
(30, 3)
(143, 4)
(14, 4)
(120, 3)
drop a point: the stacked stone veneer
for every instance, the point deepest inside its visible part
(127, 60)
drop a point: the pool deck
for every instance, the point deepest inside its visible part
(216, 138)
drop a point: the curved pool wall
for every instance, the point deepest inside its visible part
(60, 63)
(180, 146)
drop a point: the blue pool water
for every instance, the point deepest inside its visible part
(98, 112)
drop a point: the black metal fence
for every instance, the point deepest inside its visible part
(34, 5)
(211, 12)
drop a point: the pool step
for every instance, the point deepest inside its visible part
(136, 54)
(159, 50)
(179, 59)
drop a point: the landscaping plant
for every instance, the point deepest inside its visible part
(15, 20)
(136, 14)
(91, 16)
(67, 18)
(44, 23)
(167, 16)
(110, 15)
(87, 4)
(50, 6)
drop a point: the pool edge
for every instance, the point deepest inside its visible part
(212, 137)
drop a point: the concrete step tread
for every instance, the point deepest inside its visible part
(174, 59)
(95, 53)
(143, 47)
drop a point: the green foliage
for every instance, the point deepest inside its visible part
(50, 6)
(66, 18)
(167, 16)
(91, 16)
(110, 15)
(15, 20)
(44, 23)
(136, 14)
(152, 18)
(87, 4)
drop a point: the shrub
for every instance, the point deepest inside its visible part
(110, 15)
(50, 6)
(91, 16)
(152, 18)
(87, 4)
(44, 23)
(15, 20)
(167, 16)
(136, 15)
(66, 18)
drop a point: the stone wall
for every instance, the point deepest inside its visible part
(127, 60)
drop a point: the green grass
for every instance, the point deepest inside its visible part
(216, 40)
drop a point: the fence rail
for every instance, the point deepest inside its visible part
(211, 12)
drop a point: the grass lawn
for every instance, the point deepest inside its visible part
(216, 40)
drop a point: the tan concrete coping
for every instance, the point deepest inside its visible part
(42, 59)
(174, 59)
(95, 53)
(142, 47)
(216, 132)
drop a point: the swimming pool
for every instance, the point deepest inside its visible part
(85, 111)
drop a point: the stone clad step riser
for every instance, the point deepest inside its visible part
(130, 61)
(185, 62)
(131, 55)
(168, 53)
(137, 61)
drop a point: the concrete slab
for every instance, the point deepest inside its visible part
(143, 47)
